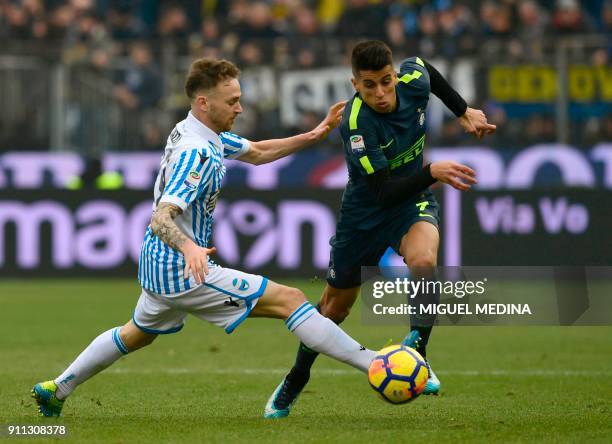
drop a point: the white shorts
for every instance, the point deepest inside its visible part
(225, 299)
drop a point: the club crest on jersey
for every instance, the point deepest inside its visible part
(244, 284)
(422, 119)
(357, 144)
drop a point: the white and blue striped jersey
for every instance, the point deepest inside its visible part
(190, 177)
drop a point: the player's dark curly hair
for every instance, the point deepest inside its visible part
(371, 55)
(205, 73)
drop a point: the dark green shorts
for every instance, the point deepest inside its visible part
(352, 249)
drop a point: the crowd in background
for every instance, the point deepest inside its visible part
(121, 41)
(289, 32)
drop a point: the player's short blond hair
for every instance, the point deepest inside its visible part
(206, 73)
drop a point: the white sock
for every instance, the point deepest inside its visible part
(322, 335)
(102, 352)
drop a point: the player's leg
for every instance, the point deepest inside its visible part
(151, 317)
(102, 352)
(343, 282)
(317, 334)
(335, 304)
(350, 249)
(419, 248)
(313, 329)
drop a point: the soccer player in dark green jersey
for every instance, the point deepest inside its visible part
(387, 202)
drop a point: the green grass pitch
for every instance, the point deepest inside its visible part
(500, 384)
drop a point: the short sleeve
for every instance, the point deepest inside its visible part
(190, 172)
(234, 146)
(414, 77)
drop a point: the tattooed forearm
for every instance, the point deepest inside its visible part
(163, 225)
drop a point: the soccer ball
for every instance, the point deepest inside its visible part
(398, 374)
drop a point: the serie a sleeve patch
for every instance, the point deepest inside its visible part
(357, 143)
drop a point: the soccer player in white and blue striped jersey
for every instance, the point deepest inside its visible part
(175, 273)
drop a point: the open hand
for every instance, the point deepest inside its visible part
(196, 261)
(458, 176)
(331, 121)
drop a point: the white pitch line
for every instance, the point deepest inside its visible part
(350, 372)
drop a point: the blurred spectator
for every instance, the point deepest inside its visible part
(87, 31)
(208, 42)
(210, 30)
(140, 86)
(123, 24)
(305, 23)
(250, 54)
(497, 20)
(532, 20)
(456, 29)
(18, 21)
(140, 89)
(253, 26)
(606, 25)
(429, 35)
(568, 18)
(396, 36)
(258, 22)
(173, 23)
(305, 46)
(362, 19)
(59, 21)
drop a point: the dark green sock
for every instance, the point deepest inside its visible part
(424, 332)
(303, 362)
(424, 323)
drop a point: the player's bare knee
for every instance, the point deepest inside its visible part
(134, 338)
(422, 263)
(294, 297)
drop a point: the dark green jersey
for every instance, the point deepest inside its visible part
(373, 141)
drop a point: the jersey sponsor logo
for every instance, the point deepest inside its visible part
(409, 155)
(422, 119)
(357, 144)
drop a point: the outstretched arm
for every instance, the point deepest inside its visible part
(269, 150)
(164, 227)
(473, 121)
(390, 191)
